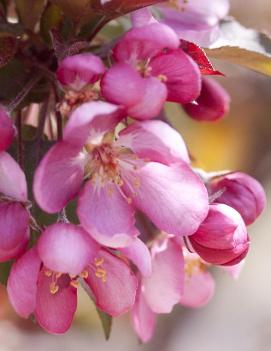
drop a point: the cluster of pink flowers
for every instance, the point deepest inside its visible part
(149, 225)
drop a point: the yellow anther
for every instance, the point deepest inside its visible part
(74, 283)
(48, 273)
(99, 261)
(84, 274)
(101, 274)
(194, 266)
(162, 77)
(54, 288)
(58, 275)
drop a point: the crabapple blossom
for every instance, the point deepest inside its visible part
(44, 280)
(242, 192)
(139, 170)
(222, 237)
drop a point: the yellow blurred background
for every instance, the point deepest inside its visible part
(239, 316)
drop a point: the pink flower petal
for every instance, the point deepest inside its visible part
(139, 254)
(91, 121)
(142, 17)
(12, 178)
(198, 289)
(234, 271)
(143, 318)
(154, 140)
(54, 311)
(141, 43)
(58, 177)
(122, 85)
(165, 286)
(66, 248)
(180, 73)
(22, 283)
(106, 214)
(212, 104)
(14, 231)
(79, 70)
(112, 283)
(155, 95)
(174, 198)
(7, 130)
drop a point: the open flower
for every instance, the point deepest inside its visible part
(143, 169)
(44, 280)
(195, 21)
(222, 237)
(150, 69)
(14, 217)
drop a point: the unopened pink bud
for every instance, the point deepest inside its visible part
(212, 104)
(222, 237)
(242, 192)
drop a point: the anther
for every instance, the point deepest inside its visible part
(54, 288)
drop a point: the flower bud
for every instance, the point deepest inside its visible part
(77, 71)
(212, 104)
(222, 237)
(7, 130)
(242, 192)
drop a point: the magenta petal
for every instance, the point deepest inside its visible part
(154, 140)
(12, 178)
(58, 177)
(122, 85)
(141, 43)
(181, 75)
(54, 312)
(7, 130)
(165, 286)
(22, 283)
(212, 104)
(174, 198)
(113, 284)
(143, 318)
(66, 248)
(79, 70)
(152, 102)
(142, 17)
(106, 214)
(198, 289)
(90, 121)
(14, 231)
(139, 254)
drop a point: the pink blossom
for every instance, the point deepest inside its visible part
(222, 237)
(199, 285)
(242, 192)
(212, 104)
(195, 21)
(14, 217)
(7, 130)
(149, 70)
(77, 71)
(119, 178)
(43, 281)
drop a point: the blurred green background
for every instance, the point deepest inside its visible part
(239, 316)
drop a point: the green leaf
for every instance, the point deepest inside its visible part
(8, 48)
(246, 47)
(51, 18)
(4, 272)
(30, 11)
(106, 321)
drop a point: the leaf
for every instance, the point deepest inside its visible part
(51, 19)
(4, 272)
(246, 47)
(78, 10)
(200, 57)
(106, 321)
(8, 48)
(30, 11)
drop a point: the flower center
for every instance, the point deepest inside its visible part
(193, 266)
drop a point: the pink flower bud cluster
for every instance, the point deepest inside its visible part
(125, 175)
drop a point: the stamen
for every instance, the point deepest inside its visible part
(99, 261)
(48, 273)
(84, 274)
(74, 283)
(54, 288)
